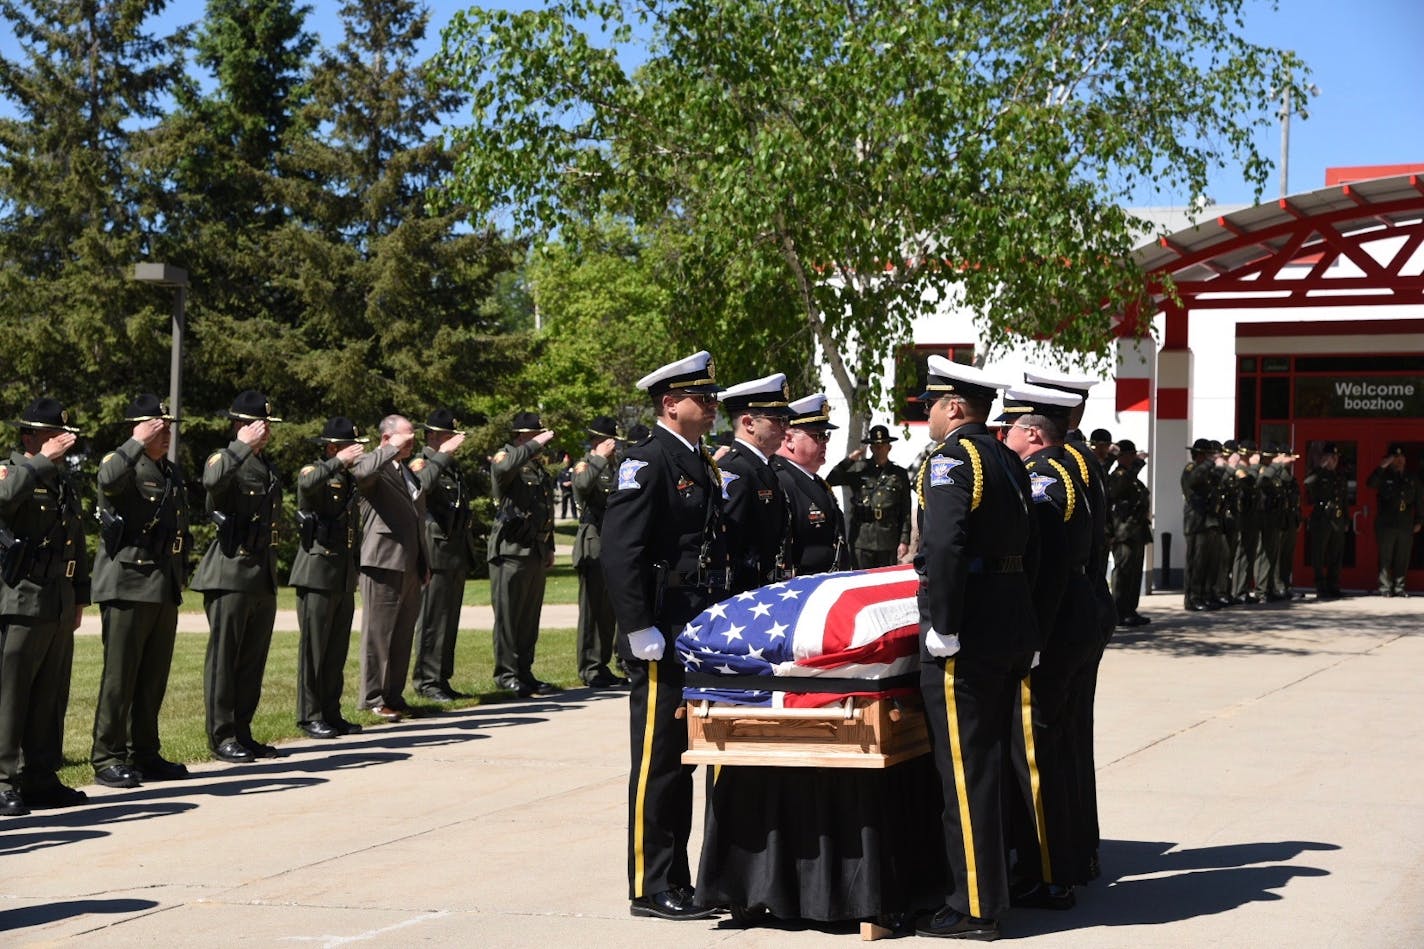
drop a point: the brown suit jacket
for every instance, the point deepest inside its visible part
(392, 522)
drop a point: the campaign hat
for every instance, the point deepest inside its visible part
(340, 429)
(526, 422)
(146, 407)
(46, 413)
(251, 406)
(878, 435)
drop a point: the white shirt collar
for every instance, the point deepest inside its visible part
(752, 448)
(678, 437)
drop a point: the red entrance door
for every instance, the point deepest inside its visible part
(1362, 447)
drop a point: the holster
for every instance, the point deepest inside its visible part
(16, 557)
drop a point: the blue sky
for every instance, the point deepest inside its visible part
(1364, 55)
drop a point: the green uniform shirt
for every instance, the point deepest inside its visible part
(149, 495)
(244, 487)
(880, 502)
(447, 510)
(592, 480)
(524, 503)
(326, 491)
(40, 508)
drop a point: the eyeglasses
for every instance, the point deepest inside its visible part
(775, 421)
(816, 436)
(1024, 428)
(706, 400)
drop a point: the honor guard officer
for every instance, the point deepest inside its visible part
(238, 578)
(1244, 475)
(1399, 519)
(521, 551)
(324, 573)
(978, 631)
(452, 555)
(138, 584)
(1201, 522)
(1048, 743)
(592, 482)
(1328, 489)
(816, 541)
(664, 561)
(1130, 526)
(880, 501)
(44, 587)
(754, 506)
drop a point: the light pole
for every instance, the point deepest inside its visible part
(166, 275)
(1286, 109)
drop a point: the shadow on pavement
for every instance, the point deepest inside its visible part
(1153, 884)
(53, 912)
(1311, 630)
(15, 844)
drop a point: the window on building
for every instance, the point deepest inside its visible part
(912, 373)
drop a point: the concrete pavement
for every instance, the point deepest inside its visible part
(1259, 774)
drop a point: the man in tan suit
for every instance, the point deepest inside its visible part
(394, 566)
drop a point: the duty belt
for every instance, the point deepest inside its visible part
(713, 581)
(996, 565)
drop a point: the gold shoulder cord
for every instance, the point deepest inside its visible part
(1082, 462)
(716, 472)
(923, 473)
(978, 466)
(1067, 486)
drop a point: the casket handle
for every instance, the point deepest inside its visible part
(844, 712)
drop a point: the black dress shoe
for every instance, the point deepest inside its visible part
(436, 695)
(343, 727)
(260, 750)
(12, 805)
(540, 687)
(56, 795)
(1044, 896)
(670, 904)
(455, 693)
(159, 769)
(116, 776)
(233, 751)
(317, 729)
(523, 690)
(1095, 866)
(951, 924)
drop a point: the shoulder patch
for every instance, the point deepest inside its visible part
(306, 469)
(105, 459)
(418, 464)
(581, 467)
(214, 458)
(1039, 483)
(940, 468)
(500, 456)
(727, 479)
(628, 473)
(4, 472)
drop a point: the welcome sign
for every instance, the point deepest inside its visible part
(1359, 397)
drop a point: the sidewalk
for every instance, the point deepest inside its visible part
(1259, 774)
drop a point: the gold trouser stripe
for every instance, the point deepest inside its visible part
(966, 825)
(649, 723)
(1035, 785)
(716, 772)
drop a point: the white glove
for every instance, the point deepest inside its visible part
(941, 647)
(648, 643)
(1036, 656)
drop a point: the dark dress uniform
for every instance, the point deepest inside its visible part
(238, 579)
(757, 515)
(1130, 524)
(138, 584)
(1396, 523)
(1201, 522)
(45, 579)
(519, 545)
(664, 560)
(1048, 743)
(1244, 586)
(880, 509)
(977, 572)
(816, 529)
(452, 555)
(1327, 488)
(324, 573)
(1290, 530)
(592, 482)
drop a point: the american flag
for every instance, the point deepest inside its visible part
(856, 624)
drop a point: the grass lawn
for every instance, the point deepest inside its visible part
(181, 721)
(561, 587)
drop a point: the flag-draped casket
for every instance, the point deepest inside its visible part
(808, 641)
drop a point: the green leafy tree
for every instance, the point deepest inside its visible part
(886, 154)
(86, 80)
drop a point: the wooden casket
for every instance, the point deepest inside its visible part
(859, 732)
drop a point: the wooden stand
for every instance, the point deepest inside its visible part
(858, 733)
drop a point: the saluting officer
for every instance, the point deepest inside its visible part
(324, 573)
(1130, 524)
(238, 578)
(1399, 519)
(138, 584)
(665, 562)
(1201, 522)
(521, 551)
(816, 541)
(592, 480)
(754, 505)
(880, 501)
(452, 554)
(978, 631)
(1328, 488)
(44, 587)
(1053, 857)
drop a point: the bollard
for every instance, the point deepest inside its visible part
(1166, 559)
